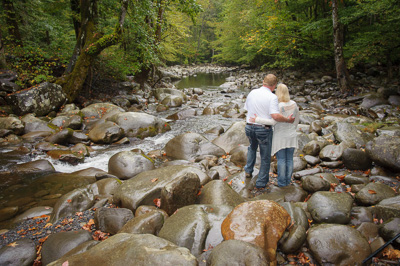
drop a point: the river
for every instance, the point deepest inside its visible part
(208, 82)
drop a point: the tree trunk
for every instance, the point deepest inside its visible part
(342, 74)
(3, 62)
(12, 23)
(89, 44)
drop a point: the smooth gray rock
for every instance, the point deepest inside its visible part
(217, 192)
(330, 207)
(128, 164)
(59, 244)
(355, 159)
(337, 245)
(23, 253)
(111, 220)
(385, 151)
(373, 193)
(147, 223)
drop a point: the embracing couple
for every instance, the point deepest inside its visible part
(271, 125)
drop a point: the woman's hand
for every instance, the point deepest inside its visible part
(253, 119)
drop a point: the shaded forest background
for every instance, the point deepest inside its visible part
(66, 41)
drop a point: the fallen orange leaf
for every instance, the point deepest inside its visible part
(371, 191)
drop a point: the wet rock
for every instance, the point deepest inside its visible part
(233, 137)
(299, 164)
(67, 156)
(373, 100)
(147, 223)
(12, 123)
(312, 148)
(79, 137)
(40, 100)
(147, 186)
(107, 132)
(337, 245)
(293, 239)
(369, 230)
(128, 164)
(162, 93)
(260, 222)
(387, 208)
(331, 152)
(330, 207)
(85, 246)
(355, 179)
(373, 193)
(218, 193)
(333, 165)
(59, 244)
(105, 187)
(172, 101)
(180, 192)
(78, 200)
(297, 214)
(239, 155)
(33, 212)
(314, 183)
(8, 213)
(99, 110)
(142, 249)
(196, 227)
(355, 159)
(23, 253)
(61, 137)
(139, 125)
(385, 151)
(237, 252)
(389, 229)
(183, 114)
(34, 167)
(35, 136)
(285, 194)
(188, 146)
(299, 174)
(348, 132)
(111, 220)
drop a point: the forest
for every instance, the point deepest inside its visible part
(66, 41)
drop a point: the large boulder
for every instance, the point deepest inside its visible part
(196, 227)
(162, 93)
(128, 249)
(127, 164)
(60, 243)
(99, 110)
(373, 193)
(139, 125)
(39, 100)
(387, 208)
(111, 220)
(147, 186)
(21, 253)
(188, 146)
(355, 159)
(333, 244)
(330, 207)
(350, 133)
(233, 137)
(107, 132)
(13, 124)
(218, 192)
(261, 222)
(385, 151)
(237, 252)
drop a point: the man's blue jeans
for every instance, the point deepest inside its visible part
(259, 136)
(285, 166)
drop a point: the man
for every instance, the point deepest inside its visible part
(262, 103)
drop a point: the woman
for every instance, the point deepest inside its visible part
(284, 139)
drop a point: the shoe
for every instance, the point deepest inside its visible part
(248, 175)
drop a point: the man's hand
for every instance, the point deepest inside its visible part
(291, 119)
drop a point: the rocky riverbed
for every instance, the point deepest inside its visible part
(188, 202)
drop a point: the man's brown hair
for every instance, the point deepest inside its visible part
(270, 80)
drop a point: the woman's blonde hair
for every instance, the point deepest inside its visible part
(282, 92)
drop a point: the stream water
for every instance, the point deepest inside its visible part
(209, 83)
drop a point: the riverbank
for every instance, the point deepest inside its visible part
(346, 163)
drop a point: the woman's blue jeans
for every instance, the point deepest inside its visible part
(285, 166)
(259, 136)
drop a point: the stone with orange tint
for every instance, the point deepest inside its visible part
(261, 222)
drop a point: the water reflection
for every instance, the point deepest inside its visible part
(202, 80)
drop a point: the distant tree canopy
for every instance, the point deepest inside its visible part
(39, 38)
